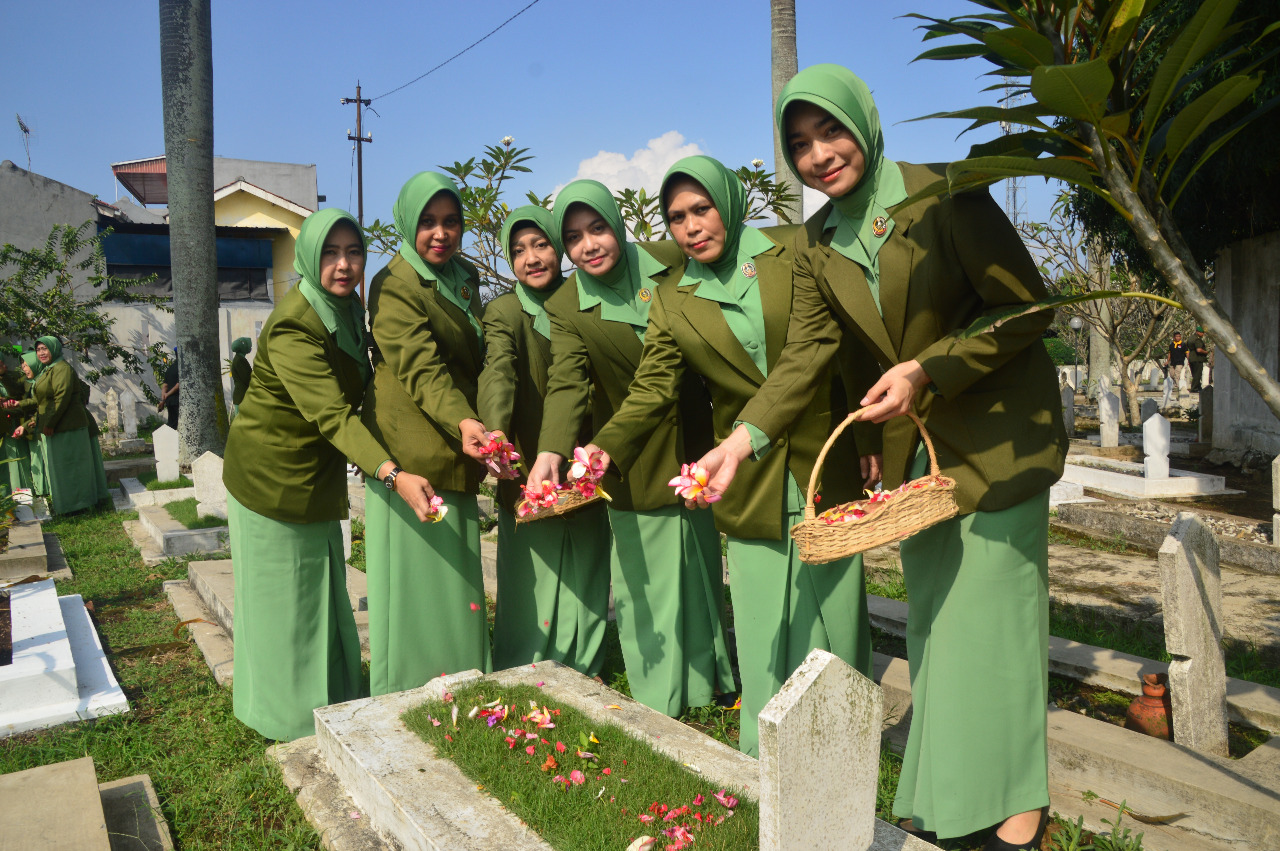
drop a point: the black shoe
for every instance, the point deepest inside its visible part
(995, 843)
(906, 826)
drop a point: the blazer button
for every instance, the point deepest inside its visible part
(782, 441)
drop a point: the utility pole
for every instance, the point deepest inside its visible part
(360, 139)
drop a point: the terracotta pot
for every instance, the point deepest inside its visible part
(1149, 712)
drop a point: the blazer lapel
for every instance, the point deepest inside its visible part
(707, 318)
(775, 298)
(895, 265)
(621, 335)
(848, 284)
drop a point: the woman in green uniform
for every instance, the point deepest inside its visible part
(553, 574)
(906, 283)
(296, 645)
(15, 476)
(668, 588)
(726, 321)
(27, 431)
(69, 452)
(241, 371)
(426, 590)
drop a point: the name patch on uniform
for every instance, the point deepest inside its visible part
(879, 225)
(465, 292)
(749, 269)
(645, 294)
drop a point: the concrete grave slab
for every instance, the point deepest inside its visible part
(138, 495)
(131, 809)
(171, 538)
(1125, 478)
(53, 808)
(26, 554)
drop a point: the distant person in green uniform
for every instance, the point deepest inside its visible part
(668, 586)
(296, 645)
(241, 371)
(905, 282)
(26, 430)
(1200, 357)
(553, 573)
(726, 321)
(426, 589)
(170, 389)
(67, 442)
(15, 475)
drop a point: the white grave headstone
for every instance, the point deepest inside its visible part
(819, 758)
(211, 493)
(1206, 415)
(164, 443)
(1192, 595)
(1275, 501)
(1069, 409)
(1108, 419)
(1148, 409)
(129, 413)
(1155, 445)
(111, 401)
(346, 540)
(1104, 384)
(1168, 394)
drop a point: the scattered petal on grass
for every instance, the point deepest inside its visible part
(530, 750)
(541, 683)
(698, 799)
(475, 710)
(550, 763)
(448, 738)
(560, 748)
(726, 799)
(455, 716)
(354, 814)
(644, 843)
(577, 777)
(613, 706)
(646, 818)
(607, 771)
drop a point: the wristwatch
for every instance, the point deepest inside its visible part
(390, 480)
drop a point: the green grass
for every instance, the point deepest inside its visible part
(148, 478)
(184, 511)
(357, 543)
(579, 816)
(217, 788)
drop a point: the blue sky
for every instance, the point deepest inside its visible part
(587, 85)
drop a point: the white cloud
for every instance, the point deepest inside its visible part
(644, 168)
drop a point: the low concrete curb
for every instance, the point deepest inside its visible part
(211, 640)
(26, 554)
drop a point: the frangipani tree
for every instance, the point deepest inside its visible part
(1088, 123)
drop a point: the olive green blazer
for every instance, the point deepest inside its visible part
(58, 399)
(298, 423)
(426, 364)
(514, 382)
(593, 363)
(241, 372)
(688, 332)
(993, 407)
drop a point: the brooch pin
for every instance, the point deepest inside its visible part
(465, 292)
(749, 269)
(645, 294)
(879, 226)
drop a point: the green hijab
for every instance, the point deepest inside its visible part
(54, 345)
(343, 317)
(620, 291)
(449, 276)
(241, 345)
(533, 301)
(861, 217)
(30, 359)
(741, 242)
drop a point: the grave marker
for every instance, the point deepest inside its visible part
(129, 413)
(211, 493)
(1206, 414)
(164, 442)
(1168, 394)
(1148, 409)
(1192, 591)
(1275, 501)
(1108, 418)
(1155, 445)
(111, 400)
(820, 758)
(1069, 409)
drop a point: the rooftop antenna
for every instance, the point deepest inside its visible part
(26, 139)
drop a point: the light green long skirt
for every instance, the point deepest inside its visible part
(426, 591)
(73, 467)
(978, 645)
(553, 590)
(784, 608)
(668, 595)
(296, 646)
(17, 474)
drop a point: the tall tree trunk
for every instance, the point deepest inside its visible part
(1099, 353)
(186, 79)
(782, 19)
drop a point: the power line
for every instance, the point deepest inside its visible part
(460, 52)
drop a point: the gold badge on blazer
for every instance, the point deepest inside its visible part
(749, 269)
(879, 225)
(645, 294)
(465, 292)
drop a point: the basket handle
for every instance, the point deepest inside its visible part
(934, 470)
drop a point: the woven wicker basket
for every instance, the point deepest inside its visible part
(905, 514)
(569, 500)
